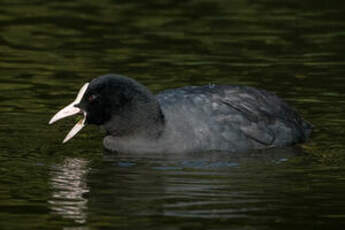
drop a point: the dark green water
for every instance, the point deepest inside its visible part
(48, 49)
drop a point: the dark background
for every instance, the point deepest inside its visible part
(48, 49)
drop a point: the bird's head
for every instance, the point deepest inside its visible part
(120, 104)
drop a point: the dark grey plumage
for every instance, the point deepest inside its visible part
(212, 118)
(231, 118)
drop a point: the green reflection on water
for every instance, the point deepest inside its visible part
(48, 49)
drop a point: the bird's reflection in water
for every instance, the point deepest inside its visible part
(68, 182)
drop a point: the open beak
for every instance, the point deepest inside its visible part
(70, 110)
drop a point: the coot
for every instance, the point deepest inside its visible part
(188, 119)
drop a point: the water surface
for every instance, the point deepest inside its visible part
(48, 49)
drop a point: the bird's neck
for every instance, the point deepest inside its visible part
(150, 123)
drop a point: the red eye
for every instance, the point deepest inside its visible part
(92, 97)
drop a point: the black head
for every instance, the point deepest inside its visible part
(122, 105)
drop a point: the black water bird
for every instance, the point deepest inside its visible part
(188, 119)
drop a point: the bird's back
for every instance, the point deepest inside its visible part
(229, 118)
